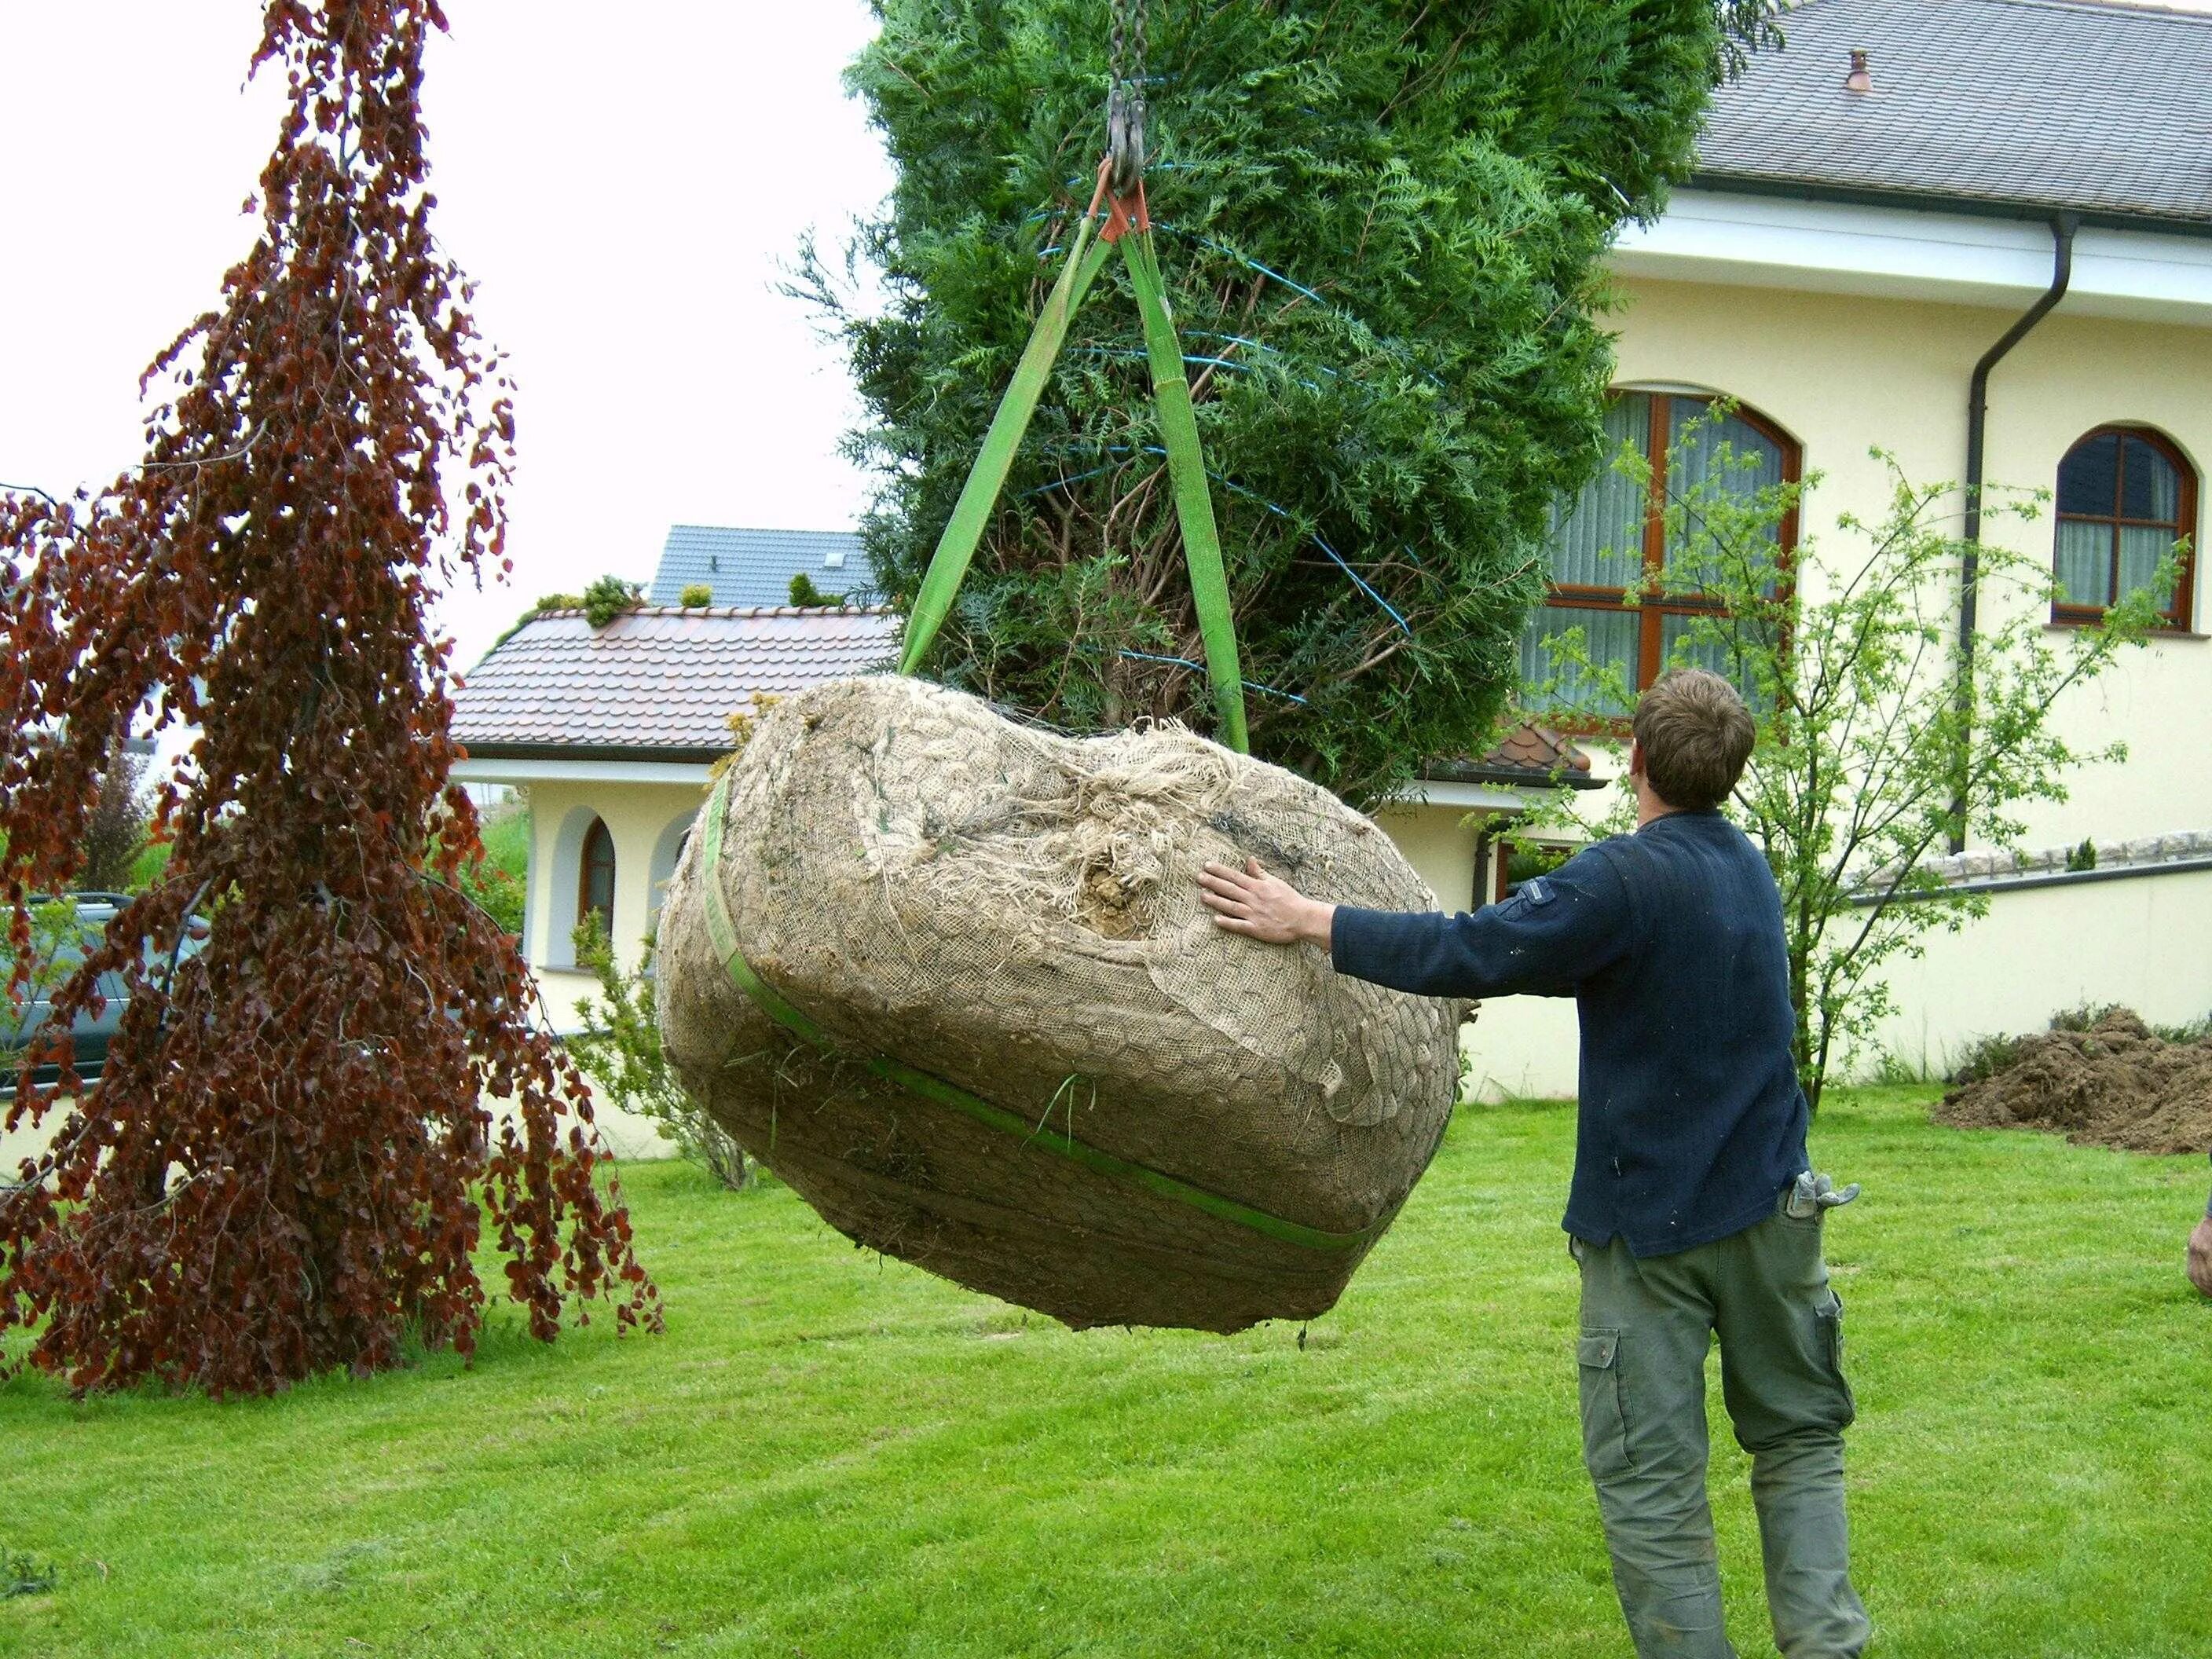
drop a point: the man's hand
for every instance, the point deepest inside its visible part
(2200, 1256)
(1252, 903)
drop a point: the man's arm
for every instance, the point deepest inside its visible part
(1544, 941)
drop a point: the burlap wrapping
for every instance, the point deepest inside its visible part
(1017, 913)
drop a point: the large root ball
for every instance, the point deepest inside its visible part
(1048, 1075)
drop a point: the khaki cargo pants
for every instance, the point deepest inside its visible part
(1646, 1327)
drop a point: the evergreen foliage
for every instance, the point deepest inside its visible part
(608, 597)
(805, 594)
(116, 830)
(1381, 225)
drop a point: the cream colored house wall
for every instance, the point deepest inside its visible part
(2140, 942)
(642, 819)
(1516, 1046)
(1438, 843)
(1843, 373)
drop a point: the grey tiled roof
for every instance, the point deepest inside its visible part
(656, 683)
(2024, 103)
(755, 567)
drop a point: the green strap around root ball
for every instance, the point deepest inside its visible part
(722, 933)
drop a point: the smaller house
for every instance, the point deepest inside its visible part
(612, 731)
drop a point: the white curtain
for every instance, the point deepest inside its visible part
(2146, 486)
(1598, 541)
(2085, 563)
(1705, 454)
(1609, 637)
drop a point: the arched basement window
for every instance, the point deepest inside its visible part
(2125, 496)
(595, 877)
(1612, 538)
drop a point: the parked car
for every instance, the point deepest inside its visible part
(71, 925)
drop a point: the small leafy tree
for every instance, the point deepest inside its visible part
(620, 1050)
(1381, 225)
(1849, 661)
(286, 1165)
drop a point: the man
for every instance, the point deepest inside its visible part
(1693, 1209)
(2200, 1251)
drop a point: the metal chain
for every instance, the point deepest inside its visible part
(1125, 96)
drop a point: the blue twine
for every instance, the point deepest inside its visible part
(1200, 667)
(1389, 610)
(1132, 355)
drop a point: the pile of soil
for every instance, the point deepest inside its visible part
(2118, 1083)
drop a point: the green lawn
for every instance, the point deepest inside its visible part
(830, 1455)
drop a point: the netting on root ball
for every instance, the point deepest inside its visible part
(950, 977)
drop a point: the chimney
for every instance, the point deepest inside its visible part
(1861, 79)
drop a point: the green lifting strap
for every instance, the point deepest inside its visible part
(1202, 541)
(971, 513)
(722, 933)
(1194, 503)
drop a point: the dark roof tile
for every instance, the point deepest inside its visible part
(1529, 754)
(2028, 104)
(755, 567)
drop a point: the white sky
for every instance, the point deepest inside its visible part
(625, 185)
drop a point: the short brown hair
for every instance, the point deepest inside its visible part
(1696, 734)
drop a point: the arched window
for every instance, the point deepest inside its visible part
(667, 853)
(1614, 538)
(595, 877)
(2125, 496)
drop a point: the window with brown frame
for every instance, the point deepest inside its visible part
(1613, 540)
(595, 877)
(2125, 496)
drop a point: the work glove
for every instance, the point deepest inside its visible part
(1812, 1193)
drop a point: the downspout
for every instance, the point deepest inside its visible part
(2062, 228)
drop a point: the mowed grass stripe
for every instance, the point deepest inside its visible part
(832, 1455)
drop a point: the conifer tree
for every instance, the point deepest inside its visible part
(1381, 223)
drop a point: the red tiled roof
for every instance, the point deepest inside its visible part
(1535, 749)
(1530, 754)
(660, 679)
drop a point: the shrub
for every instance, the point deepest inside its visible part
(696, 597)
(608, 597)
(620, 1051)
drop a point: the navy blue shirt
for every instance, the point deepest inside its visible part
(1670, 942)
